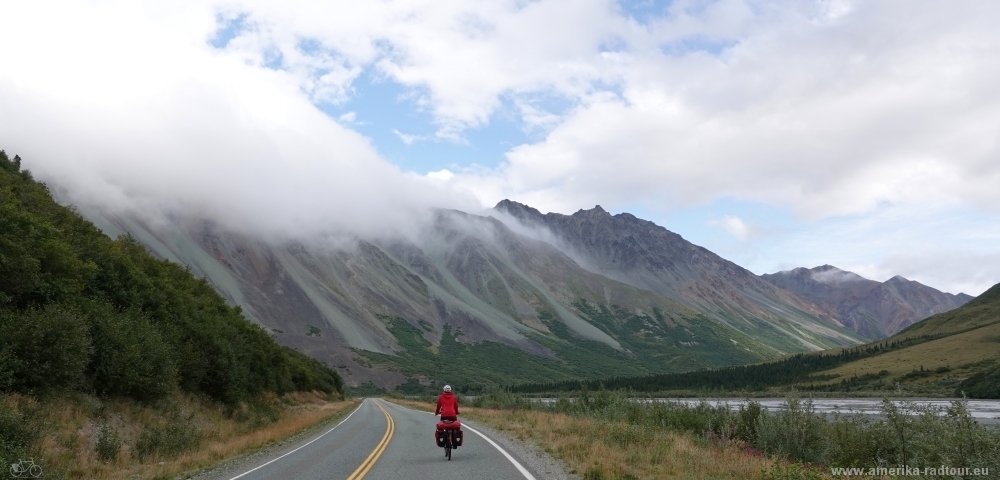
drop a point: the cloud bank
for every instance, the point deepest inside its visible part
(126, 106)
(830, 109)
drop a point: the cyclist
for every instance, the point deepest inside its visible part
(447, 405)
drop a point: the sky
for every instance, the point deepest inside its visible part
(778, 134)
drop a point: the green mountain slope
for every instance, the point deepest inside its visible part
(384, 311)
(953, 353)
(81, 311)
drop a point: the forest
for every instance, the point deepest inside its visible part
(793, 369)
(82, 312)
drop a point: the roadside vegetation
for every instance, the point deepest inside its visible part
(613, 435)
(96, 328)
(84, 436)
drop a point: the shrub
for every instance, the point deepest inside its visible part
(18, 430)
(985, 384)
(108, 444)
(42, 349)
(130, 357)
(795, 432)
(167, 440)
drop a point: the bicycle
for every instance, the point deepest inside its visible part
(25, 469)
(449, 436)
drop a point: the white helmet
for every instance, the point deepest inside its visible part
(447, 388)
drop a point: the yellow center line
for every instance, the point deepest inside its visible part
(366, 465)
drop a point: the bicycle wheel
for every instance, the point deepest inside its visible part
(447, 452)
(35, 471)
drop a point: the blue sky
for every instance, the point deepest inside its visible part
(387, 113)
(777, 134)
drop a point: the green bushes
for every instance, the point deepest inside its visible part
(18, 430)
(166, 440)
(981, 385)
(793, 432)
(43, 349)
(130, 357)
(81, 311)
(903, 433)
(108, 444)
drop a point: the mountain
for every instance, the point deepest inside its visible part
(647, 256)
(874, 310)
(501, 306)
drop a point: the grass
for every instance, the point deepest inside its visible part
(607, 449)
(86, 437)
(948, 360)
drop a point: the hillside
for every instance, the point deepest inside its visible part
(953, 352)
(872, 309)
(388, 311)
(950, 354)
(80, 311)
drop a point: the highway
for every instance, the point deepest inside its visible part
(381, 440)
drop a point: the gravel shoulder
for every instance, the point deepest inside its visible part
(533, 455)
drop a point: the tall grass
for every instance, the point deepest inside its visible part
(902, 434)
(83, 436)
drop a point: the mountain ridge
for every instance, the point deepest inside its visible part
(517, 306)
(873, 309)
(648, 256)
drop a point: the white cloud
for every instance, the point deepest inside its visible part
(408, 138)
(127, 106)
(443, 174)
(829, 110)
(735, 226)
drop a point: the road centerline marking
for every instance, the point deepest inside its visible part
(390, 428)
(304, 445)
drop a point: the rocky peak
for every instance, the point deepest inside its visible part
(519, 211)
(597, 211)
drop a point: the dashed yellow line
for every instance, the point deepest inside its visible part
(366, 465)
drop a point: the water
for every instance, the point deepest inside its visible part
(979, 409)
(986, 412)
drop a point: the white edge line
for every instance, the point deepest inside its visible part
(520, 468)
(304, 445)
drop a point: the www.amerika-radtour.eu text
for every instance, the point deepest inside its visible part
(911, 471)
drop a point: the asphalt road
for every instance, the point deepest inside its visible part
(381, 440)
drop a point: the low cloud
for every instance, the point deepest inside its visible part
(835, 276)
(956, 270)
(735, 226)
(131, 113)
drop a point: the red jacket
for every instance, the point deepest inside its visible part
(447, 405)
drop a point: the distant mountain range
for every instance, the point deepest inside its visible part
(874, 310)
(515, 295)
